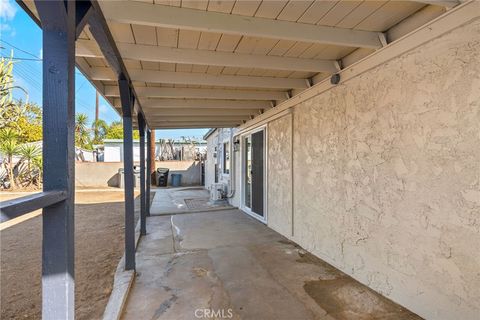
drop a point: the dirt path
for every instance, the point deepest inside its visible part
(99, 227)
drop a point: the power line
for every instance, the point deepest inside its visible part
(21, 59)
(29, 74)
(29, 79)
(24, 51)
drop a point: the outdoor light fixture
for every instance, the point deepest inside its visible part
(236, 145)
(335, 79)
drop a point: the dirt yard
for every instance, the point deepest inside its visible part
(99, 231)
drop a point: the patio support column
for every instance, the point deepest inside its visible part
(149, 170)
(143, 199)
(151, 146)
(127, 106)
(58, 28)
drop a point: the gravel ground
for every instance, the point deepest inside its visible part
(99, 231)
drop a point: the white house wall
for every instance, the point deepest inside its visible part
(216, 140)
(386, 177)
(211, 160)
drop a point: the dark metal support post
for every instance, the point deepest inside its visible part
(127, 106)
(143, 213)
(58, 26)
(149, 170)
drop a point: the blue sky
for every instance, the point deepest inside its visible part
(20, 34)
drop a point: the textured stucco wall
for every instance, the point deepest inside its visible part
(279, 175)
(387, 177)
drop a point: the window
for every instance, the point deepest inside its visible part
(226, 158)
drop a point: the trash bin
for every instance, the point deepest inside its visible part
(162, 177)
(121, 177)
(136, 176)
(176, 179)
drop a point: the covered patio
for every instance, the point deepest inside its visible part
(215, 64)
(225, 264)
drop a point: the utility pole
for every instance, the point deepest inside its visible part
(95, 133)
(96, 105)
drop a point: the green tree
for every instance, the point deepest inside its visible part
(23, 117)
(9, 148)
(115, 131)
(100, 129)
(32, 155)
(30, 123)
(10, 111)
(82, 132)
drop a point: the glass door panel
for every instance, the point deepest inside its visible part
(248, 172)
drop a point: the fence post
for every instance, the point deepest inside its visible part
(127, 106)
(58, 282)
(143, 214)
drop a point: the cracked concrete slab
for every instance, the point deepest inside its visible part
(235, 267)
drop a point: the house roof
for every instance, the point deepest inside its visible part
(196, 64)
(209, 133)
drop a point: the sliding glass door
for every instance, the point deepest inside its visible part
(254, 171)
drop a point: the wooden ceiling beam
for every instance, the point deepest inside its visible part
(201, 104)
(156, 15)
(186, 78)
(89, 48)
(194, 93)
(154, 113)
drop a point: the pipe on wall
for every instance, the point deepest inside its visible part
(233, 170)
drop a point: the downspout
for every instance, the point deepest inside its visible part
(231, 188)
(292, 170)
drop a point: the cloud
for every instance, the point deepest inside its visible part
(103, 109)
(5, 27)
(40, 54)
(7, 10)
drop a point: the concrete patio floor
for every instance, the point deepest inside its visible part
(182, 200)
(226, 262)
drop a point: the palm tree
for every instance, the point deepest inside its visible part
(100, 129)
(29, 153)
(82, 134)
(9, 147)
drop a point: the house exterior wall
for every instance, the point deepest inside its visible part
(113, 150)
(211, 160)
(386, 174)
(280, 187)
(215, 145)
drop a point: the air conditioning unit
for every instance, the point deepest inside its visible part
(217, 192)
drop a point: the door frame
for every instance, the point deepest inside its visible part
(244, 208)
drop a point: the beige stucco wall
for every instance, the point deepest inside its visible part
(387, 177)
(279, 174)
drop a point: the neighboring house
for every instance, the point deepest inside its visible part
(82, 155)
(113, 150)
(378, 176)
(217, 163)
